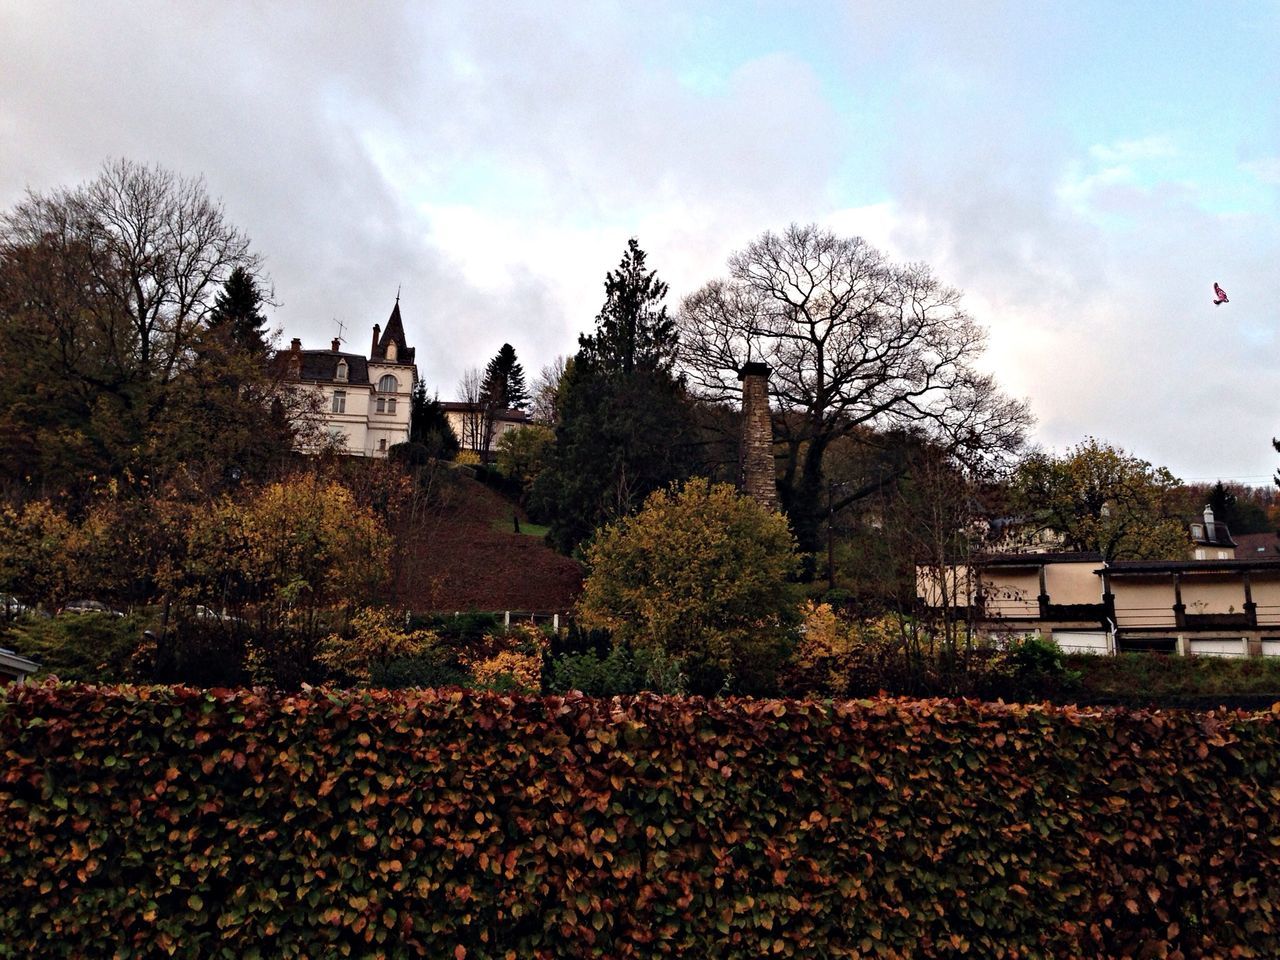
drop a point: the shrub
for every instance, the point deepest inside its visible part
(92, 647)
(700, 574)
(429, 669)
(373, 636)
(619, 671)
(155, 821)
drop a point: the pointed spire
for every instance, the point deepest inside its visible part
(394, 333)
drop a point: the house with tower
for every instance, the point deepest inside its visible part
(363, 403)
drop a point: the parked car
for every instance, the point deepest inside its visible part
(208, 613)
(90, 606)
(13, 607)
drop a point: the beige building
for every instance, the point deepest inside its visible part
(1223, 607)
(364, 403)
(468, 421)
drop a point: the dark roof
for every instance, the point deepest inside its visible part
(1190, 566)
(1038, 559)
(321, 366)
(1213, 534)
(459, 406)
(393, 333)
(1257, 545)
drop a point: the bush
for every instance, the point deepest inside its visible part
(448, 824)
(1030, 667)
(619, 671)
(430, 669)
(91, 647)
(701, 575)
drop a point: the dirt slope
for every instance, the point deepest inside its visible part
(464, 556)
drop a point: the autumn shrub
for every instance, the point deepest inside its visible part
(702, 574)
(430, 668)
(509, 661)
(175, 822)
(372, 637)
(619, 670)
(92, 647)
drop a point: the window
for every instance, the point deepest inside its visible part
(391, 404)
(341, 374)
(382, 446)
(382, 404)
(391, 351)
(388, 384)
(339, 401)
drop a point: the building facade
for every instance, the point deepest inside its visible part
(363, 404)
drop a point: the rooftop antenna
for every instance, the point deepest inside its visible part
(341, 326)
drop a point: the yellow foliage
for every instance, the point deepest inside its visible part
(376, 635)
(517, 654)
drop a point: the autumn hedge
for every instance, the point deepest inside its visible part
(170, 821)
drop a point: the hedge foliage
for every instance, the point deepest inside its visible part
(170, 821)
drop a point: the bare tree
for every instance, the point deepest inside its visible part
(474, 421)
(151, 251)
(546, 392)
(856, 344)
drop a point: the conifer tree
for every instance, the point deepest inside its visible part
(503, 386)
(624, 421)
(238, 311)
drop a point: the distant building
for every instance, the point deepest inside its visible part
(1211, 540)
(364, 404)
(468, 423)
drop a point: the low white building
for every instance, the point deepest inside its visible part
(468, 422)
(364, 403)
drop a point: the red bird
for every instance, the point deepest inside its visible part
(1222, 296)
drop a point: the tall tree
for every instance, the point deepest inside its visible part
(624, 425)
(633, 331)
(429, 426)
(105, 296)
(238, 312)
(1104, 499)
(501, 389)
(857, 345)
(503, 384)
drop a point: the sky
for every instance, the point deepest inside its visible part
(1084, 172)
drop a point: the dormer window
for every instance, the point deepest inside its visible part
(391, 352)
(341, 374)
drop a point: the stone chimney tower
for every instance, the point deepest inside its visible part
(759, 478)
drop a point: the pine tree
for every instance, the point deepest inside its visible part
(238, 311)
(633, 331)
(429, 426)
(625, 424)
(503, 386)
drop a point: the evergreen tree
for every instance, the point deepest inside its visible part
(625, 424)
(237, 310)
(503, 386)
(633, 331)
(429, 426)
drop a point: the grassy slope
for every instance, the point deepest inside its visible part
(465, 556)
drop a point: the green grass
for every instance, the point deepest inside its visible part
(526, 528)
(1147, 674)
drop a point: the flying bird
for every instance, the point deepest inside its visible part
(1221, 296)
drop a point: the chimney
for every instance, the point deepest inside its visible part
(295, 359)
(296, 346)
(1209, 533)
(336, 342)
(759, 477)
(373, 351)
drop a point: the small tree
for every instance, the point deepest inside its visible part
(700, 574)
(429, 426)
(238, 312)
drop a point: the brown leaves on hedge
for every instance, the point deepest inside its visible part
(205, 823)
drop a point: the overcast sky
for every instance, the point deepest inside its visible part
(1083, 171)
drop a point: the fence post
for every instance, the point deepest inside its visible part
(506, 622)
(555, 622)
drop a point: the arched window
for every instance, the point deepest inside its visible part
(388, 384)
(341, 374)
(391, 352)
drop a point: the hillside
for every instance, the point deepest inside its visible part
(464, 555)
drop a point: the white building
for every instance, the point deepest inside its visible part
(364, 402)
(468, 419)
